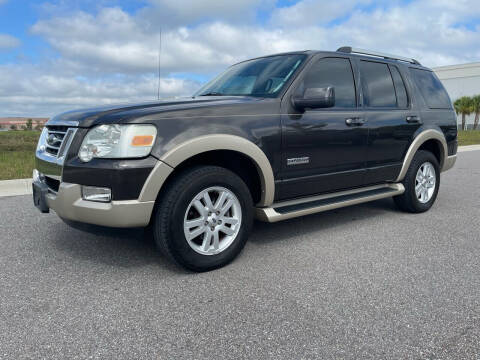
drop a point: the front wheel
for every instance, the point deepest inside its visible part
(204, 217)
(421, 183)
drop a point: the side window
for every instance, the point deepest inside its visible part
(378, 84)
(336, 72)
(402, 99)
(431, 88)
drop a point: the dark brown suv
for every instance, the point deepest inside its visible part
(274, 138)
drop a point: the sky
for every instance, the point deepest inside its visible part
(60, 55)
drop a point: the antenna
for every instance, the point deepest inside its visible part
(159, 61)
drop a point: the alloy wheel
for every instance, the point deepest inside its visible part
(212, 220)
(425, 182)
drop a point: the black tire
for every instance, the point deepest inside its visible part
(172, 205)
(408, 201)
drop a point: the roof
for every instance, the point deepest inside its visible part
(353, 54)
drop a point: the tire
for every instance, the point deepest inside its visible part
(410, 201)
(171, 220)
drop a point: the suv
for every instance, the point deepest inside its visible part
(274, 138)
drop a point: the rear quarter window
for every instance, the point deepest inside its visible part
(431, 89)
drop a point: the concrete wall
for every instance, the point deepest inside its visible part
(460, 80)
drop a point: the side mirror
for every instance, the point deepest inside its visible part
(315, 98)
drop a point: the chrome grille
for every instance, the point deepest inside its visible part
(57, 137)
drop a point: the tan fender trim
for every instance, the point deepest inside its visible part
(154, 182)
(417, 142)
(198, 145)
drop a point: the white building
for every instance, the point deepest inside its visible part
(461, 80)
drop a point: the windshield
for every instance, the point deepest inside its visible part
(264, 77)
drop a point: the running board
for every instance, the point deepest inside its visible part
(311, 205)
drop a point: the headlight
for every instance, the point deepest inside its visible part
(117, 141)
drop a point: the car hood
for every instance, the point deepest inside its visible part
(150, 111)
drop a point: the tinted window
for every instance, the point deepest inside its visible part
(402, 100)
(432, 89)
(334, 72)
(378, 85)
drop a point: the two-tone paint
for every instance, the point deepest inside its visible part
(269, 131)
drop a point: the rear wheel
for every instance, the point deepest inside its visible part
(204, 217)
(421, 183)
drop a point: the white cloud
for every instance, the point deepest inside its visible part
(38, 91)
(170, 13)
(313, 12)
(114, 41)
(8, 41)
(111, 56)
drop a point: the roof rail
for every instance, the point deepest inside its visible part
(350, 50)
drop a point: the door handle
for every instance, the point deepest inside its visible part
(355, 121)
(413, 119)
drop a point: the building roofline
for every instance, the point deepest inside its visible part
(457, 67)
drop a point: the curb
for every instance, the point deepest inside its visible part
(24, 186)
(15, 187)
(468, 148)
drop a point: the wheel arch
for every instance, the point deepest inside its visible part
(202, 146)
(430, 139)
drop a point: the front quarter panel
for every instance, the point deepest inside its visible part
(257, 122)
(251, 127)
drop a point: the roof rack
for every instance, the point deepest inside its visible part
(350, 50)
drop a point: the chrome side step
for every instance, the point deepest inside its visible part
(311, 205)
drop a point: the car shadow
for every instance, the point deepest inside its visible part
(127, 248)
(343, 217)
(116, 247)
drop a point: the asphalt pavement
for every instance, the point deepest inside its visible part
(365, 282)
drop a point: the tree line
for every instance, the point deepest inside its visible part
(28, 126)
(467, 105)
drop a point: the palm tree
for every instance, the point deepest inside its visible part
(476, 110)
(464, 106)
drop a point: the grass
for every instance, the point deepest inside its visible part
(17, 149)
(470, 137)
(17, 154)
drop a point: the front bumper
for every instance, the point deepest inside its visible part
(68, 204)
(449, 162)
(66, 199)
(59, 178)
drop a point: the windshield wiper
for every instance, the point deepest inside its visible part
(213, 93)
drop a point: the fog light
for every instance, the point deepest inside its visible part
(92, 193)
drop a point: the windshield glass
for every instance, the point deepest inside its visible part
(264, 77)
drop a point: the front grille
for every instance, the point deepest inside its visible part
(57, 138)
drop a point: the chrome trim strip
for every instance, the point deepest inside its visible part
(67, 140)
(269, 214)
(69, 123)
(49, 164)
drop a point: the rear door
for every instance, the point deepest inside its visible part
(321, 152)
(390, 119)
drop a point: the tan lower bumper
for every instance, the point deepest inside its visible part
(68, 204)
(449, 162)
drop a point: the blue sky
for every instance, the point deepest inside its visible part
(61, 54)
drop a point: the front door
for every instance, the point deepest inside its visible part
(324, 150)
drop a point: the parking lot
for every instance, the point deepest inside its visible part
(360, 282)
